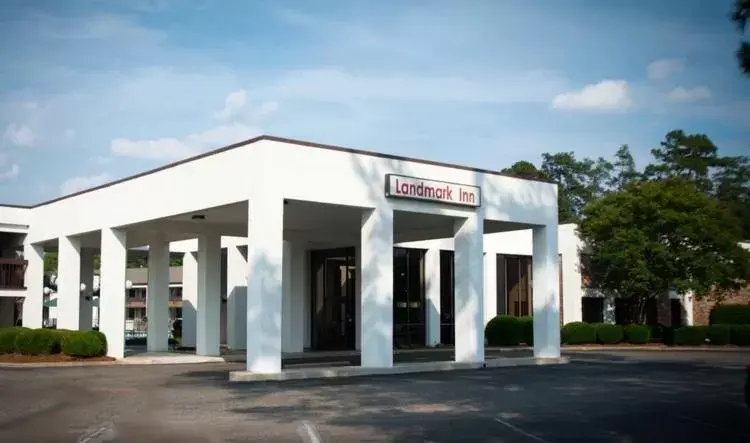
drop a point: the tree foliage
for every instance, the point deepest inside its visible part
(659, 235)
(740, 17)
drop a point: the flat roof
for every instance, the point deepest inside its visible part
(303, 143)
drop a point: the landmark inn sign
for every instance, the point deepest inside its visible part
(413, 188)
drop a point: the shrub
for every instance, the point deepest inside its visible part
(740, 335)
(38, 342)
(578, 333)
(8, 338)
(690, 335)
(527, 330)
(84, 344)
(730, 315)
(637, 334)
(608, 334)
(719, 334)
(504, 330)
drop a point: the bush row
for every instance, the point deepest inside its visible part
(19, 340)
(505, 330)
(730, 315)
(579, 333)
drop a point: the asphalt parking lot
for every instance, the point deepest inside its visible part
(605, 397)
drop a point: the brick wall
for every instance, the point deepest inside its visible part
(702, 308)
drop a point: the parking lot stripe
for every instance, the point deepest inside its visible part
(520, 431)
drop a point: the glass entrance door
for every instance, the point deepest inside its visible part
(333, 299)
(408, 298)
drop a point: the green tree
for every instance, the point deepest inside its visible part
(524, 169)
(740, 16)
(624, 170)
(580, 182)
(732, 188)
(653, 236)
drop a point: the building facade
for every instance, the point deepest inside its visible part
(290, 200)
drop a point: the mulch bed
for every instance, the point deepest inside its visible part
(53, 358)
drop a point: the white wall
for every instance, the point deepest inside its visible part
(14, 219)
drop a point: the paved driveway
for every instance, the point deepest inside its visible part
(649, 399)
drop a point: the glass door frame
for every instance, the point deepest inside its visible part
(318, 258)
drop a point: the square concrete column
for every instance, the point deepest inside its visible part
(68, 283)
(236, 296)
(189, 299)
(209, 296)
(490, 286)
(86, 313)
(157, 297)
(286, 300)
(265, 262)
(297, 296)
(112, 290)
(34, 280)
(546, 292)
(358, 297)
(469, 289)
(377, 288)
(432, 295)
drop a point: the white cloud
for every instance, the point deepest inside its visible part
(233, 104)
(20, 135)
(80, 183)
(607, 95)
(663, 68)
(172, 149)
(683, 95)
(10, 173)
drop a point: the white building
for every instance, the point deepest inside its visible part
(321, 223)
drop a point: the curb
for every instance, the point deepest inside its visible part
(657, 349)
(62, 364)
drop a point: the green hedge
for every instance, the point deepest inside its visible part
(730, 315)
(691, 335)
(8, 339)
(637, 334)
(84, 344)
(578, 333)
(608, 334)
(52, 341)
(719, 334)
(740, 335)
(506, 330)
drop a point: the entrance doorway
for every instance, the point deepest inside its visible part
(408, 298)
(333, 276)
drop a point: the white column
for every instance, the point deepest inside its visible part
(298, 293)
(432, 295)
(85, 317)
(490, 286)
(209, 295)
(112, 290)
(687, 305)
(286, 298)
(236, 297)
(68, 283)
(545, 292)
(157, 297)
(34, 281)
(609, 310)
(358, 297)
(469, 289)
(265, 259)
(377, 288)
(189, 299)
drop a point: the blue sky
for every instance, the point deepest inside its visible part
(95, 90)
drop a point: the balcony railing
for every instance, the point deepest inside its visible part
(12, 273)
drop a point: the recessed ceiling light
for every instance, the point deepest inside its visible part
(199, 217)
